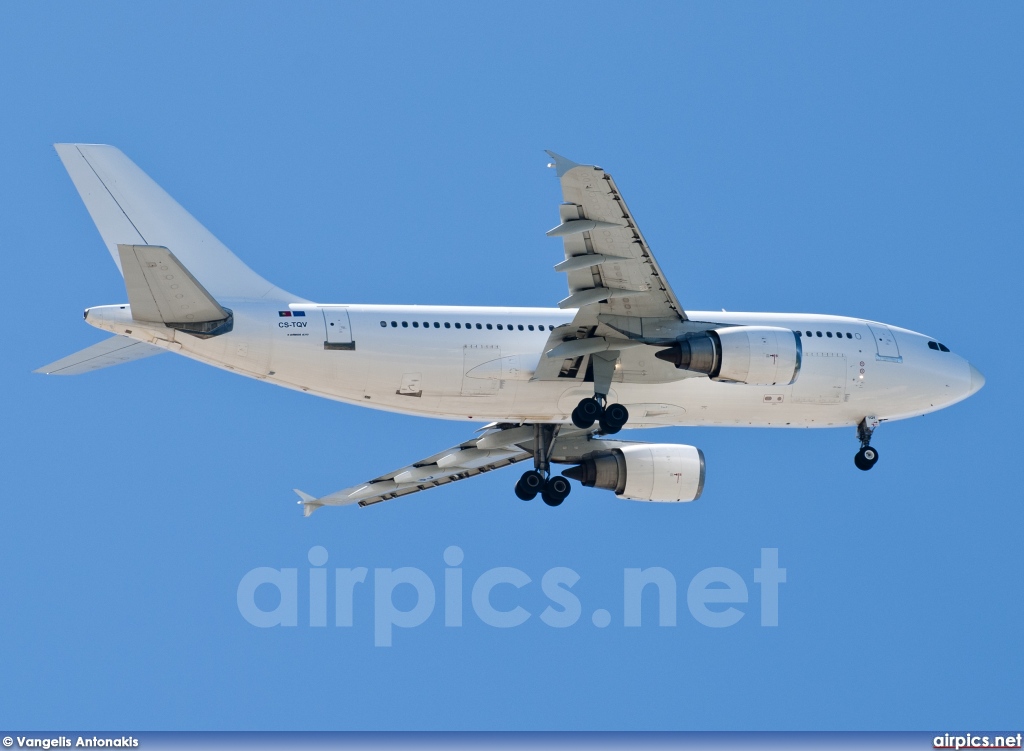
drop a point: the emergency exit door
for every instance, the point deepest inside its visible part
(339, 329)
(885, 343)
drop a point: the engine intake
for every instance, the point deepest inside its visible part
(756, 355)
(645, 472)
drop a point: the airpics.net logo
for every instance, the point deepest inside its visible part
(715, 597)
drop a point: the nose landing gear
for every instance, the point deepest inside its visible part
(866, 458)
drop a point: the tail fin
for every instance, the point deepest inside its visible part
(130, 209)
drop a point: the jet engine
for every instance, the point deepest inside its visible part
(645, 472)
(756, 355)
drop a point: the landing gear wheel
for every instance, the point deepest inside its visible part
(615, 416)
(531, 483)
(579, 420)
(609, 429)
(866, 458)
(555, 490)
(587, 412)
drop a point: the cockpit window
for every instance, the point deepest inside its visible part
(933, 345)
(939, 346)
(943, 347)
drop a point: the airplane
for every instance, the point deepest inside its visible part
(553, 385)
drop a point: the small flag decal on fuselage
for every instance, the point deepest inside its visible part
(290, 313)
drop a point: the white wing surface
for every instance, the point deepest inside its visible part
(113, 351)
(500, 446)
(608, 264)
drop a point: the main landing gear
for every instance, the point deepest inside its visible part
(866, 458)
(552, 489)
(611, 417)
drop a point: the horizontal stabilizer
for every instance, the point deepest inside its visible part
(309, 503)
(161, 289)
(112, 351)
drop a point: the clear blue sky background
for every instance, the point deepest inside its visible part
(852, 158)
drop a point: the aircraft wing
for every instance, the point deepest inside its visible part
(620, 293)
(608, 264)
(500, 446)
(468, 459)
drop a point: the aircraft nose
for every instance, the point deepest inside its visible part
(977, 379)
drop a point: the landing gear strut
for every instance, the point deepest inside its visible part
(867, 456)
(553, 490)
(611, 417)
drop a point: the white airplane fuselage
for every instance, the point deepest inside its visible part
(456, 363)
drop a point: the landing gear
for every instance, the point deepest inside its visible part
(587, 412)
(867, 456)
(531, 483)
(555, 490)
(614, 417)
(552, 489)
(611, 417)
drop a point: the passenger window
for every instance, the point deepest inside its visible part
(531, 327)
(447, 325)
(405, 324)
(383, 324)
(415, 324)
(520, 327)
(458, 325)
(828, 334)
(943, 347)
(819, 333)
(933, 345)
(489, 327)
(849, 335)
(479, 326)
(426, 325)
(808, 333)
(499, 327)
(839, 335)
(394, 324)
(550, 327)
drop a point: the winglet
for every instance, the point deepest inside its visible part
(561, 164)
(309, 503)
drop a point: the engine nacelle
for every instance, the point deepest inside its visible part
(645, 472)
(756, 355)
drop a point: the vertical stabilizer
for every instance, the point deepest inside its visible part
(130, 209)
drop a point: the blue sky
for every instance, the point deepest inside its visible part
(851, 158)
